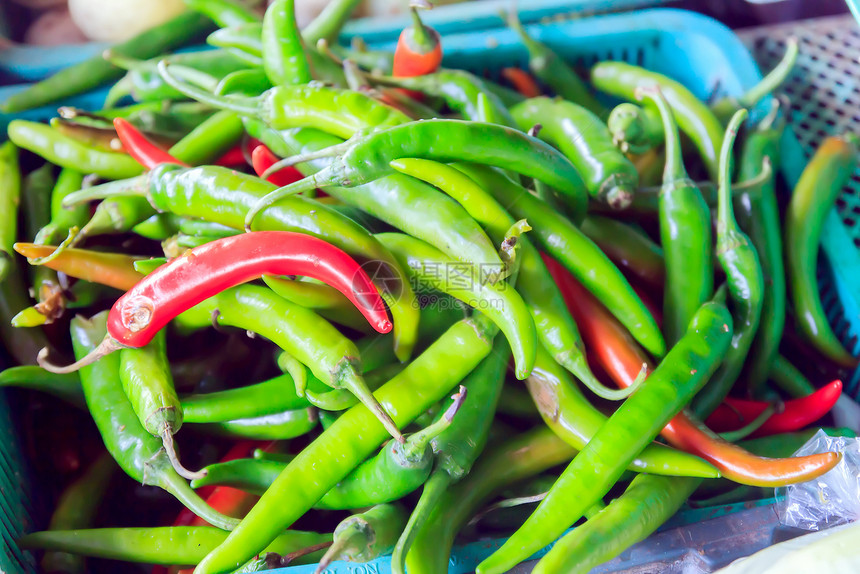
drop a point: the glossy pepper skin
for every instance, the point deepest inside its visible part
(507, 462)
(407, 204)
(555, 327)
(685, 232)
(499, 301)
(283, 48)
(814, 196)
(575, 420)
(694, 117)
(559, 237)
(354, 435)
(583, 137)
(744, 281)
(184, 545)
(67, 152)
(622, 359)
(136, 451)
(637, 421)
(418, 51)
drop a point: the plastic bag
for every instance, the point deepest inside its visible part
(829, 500)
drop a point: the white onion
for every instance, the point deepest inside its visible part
(118, 20)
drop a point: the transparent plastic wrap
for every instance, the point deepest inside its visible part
(831, 499)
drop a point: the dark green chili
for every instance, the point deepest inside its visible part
(744, 281)
(758, 215)
(685, 232)
(583, 137)
(553, 71)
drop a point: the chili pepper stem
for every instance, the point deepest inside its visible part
(578, 366)
(75, 235)
(170, 449)
(417, 443)
(135, 186)
(726, 221)
(330, 151)
(675, 171)
(749, 428)
(106, 347)
(349, 379)
(288, 559)
(303, 185)
(347, 541)
(508, 503)
(178, 487)
(435, 487)
(245, 106)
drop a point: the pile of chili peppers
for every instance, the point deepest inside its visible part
(376, 300)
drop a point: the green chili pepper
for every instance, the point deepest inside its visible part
(223, 196)
(339, 112)
(10, 183)
(638, 421)
(744, 281)
(555, 326)
(171, 120)
(158, 227)
(725, 107)
(249, 83)
(353, 436)
(462, 91)
(95, 71)
(67, 152)
(367, 159)
(148, 384)
(583, 137)
(628, 247)
(758, 215)
(328, 23)
(340, 400)
(788, 378)
(224, 12)
(409, 205)
(144, 84)
(249, 474)
(366, 536)
(76, 509)
(459, 446)
(325, 300)
(694, 118)
(283, 49)
(635, 129)
(136, 451)
(115, 215)
(685, 232)
(66, 387)
(209, 140)
(278, 426)
(552, 70)
(565, 242)
(647, 503)
(814, 196)
(181, 545)
(509, 462)
(500, 302)
(569, 414)
(62, 218)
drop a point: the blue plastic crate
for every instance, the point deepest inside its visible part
(696, 50)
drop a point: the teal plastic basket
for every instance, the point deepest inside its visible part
(712, 61)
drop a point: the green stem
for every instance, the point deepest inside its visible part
(240, 105)
(178, 487)
(352, 381)
(307, 184)
(751, 427)
(135, 186)
(726, 222)
(675, 170)
(417, 444)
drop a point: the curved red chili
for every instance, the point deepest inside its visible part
(207, 270)
(795, 415)
(262, 158)
(138, 146)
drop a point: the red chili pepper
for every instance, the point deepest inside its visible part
(795, 415)
(649, 303)
(207, 270)
(262, 158)
(138, 146)
(622, 358)
(522, 81)
(419, 50)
